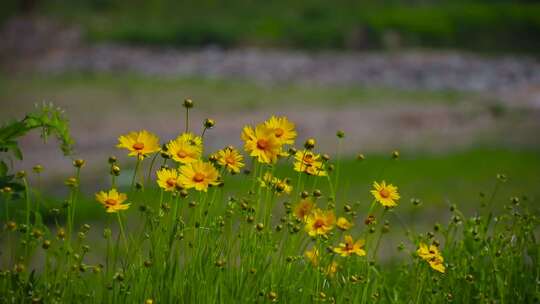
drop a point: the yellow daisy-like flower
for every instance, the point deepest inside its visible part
(231, 159)
(282, 128)
(343, 224)
(199, 175)
(350, 247)
(112, 200)
(303, 208)
(182, 151)
(432, 255)
(261, 143)
(320, 222)
(139, 143)
(308, 162)
(313, 256)
(167, 179)
(385, 194)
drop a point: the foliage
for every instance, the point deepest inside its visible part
(199, 241)
(476, 25)
(49, 119)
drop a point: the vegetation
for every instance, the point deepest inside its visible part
(290, 236)
(487, 26)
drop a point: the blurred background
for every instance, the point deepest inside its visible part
(453, 85)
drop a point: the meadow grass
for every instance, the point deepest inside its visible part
(285, 237)
(90, 90)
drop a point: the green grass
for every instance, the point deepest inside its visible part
(479, 25)
(118, 91)
(244, 243)
(438, 180)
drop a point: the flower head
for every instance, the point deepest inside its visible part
(112, 200)
(320, 222)
(198, 175)
(350, 247)
(308, 162)
(303, 208)
(139, 143)
(261, 143)
(385, 194)
(231, 159)
(167, 179)
(432, 255)
(344, 224)
(282, 129)
(185, 149)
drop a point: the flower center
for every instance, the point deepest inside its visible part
(279, 132)
(308, 158)
(198, 177)
(181, 154)
(349, 246)
(318, 223)
(171, 182)
(138, 146)
(230, 160)
(432, 251)
(384, 193)
(262, 144)
(111, 202)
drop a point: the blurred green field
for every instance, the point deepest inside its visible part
(217, 94)
(488, 26)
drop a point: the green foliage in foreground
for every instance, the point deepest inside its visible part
(210, 247)
(479, 25)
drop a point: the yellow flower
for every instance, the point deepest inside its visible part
(350, 247)
(231, 159)
(112, 200)
(168, 179)
(198, 175)
(313, 256)
(432, 255)
(183, 150)
(139, 143)
(320, 222)
(277, 185)
(282, 128)
(309, 162)
(303, 208)
(387, 195)
(343, 224)
(261, 144)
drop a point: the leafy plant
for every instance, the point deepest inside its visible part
(50, 120)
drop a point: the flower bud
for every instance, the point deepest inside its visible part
(37, 169)
(310, 144)
(360, 156)
(340, 134)
(78, 163)
(260, 226)
(395, 154)
(115, 170)
(21, 174)
(46, 244)
(188, 103)
(112, 159)
(209, 123)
